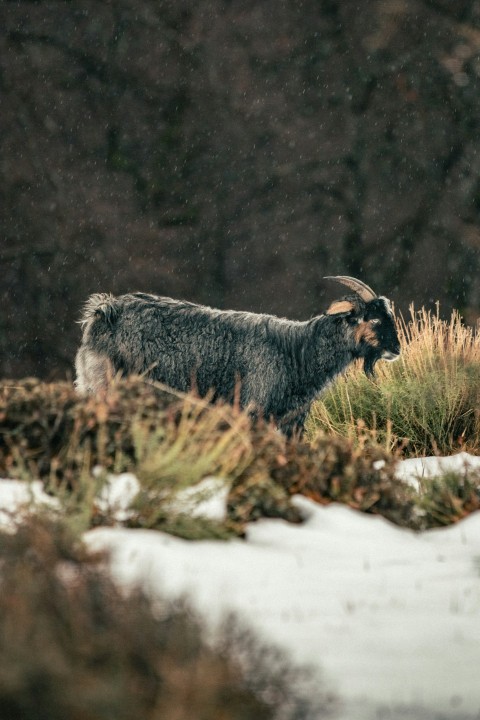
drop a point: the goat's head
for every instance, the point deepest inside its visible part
(371, 320)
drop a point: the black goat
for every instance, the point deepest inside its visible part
(276, 366)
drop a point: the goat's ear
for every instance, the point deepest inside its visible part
(341, 308)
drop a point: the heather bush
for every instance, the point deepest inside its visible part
(73, 646)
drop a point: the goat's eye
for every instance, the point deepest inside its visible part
(375, 321)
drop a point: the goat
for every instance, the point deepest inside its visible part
(275, 366)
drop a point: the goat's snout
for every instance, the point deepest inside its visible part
(391, 355)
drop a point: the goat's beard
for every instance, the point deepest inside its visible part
(369, 362)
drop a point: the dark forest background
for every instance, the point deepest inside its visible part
(233, 153)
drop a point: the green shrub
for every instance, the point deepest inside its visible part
(448, 498)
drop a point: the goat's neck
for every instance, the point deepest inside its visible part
(328, 350)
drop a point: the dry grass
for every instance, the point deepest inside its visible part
(426, 403)
(201, 440)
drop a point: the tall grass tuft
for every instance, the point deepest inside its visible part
(427, 402)
(202, 440)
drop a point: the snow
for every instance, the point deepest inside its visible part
(390, 618)
(17, 497)
(117, 494)
(206, 499)
(416, 469)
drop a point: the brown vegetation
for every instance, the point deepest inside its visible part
(171, 442)
(73, 646)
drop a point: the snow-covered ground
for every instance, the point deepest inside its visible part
(390, 618)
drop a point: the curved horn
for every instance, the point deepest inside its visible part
(365, 292)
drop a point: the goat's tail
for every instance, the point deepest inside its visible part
(93, 364)
(100, 306)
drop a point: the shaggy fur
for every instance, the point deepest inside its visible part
(275, 366)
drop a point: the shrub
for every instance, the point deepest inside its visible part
(327, 469)
(448, 498)
(72, 646)
(172, 441)
(49, 432)
(169, 439)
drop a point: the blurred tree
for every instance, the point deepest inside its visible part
(233, 153)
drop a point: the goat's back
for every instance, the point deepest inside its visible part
(178, 343)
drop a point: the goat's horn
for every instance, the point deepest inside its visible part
(365, 292)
